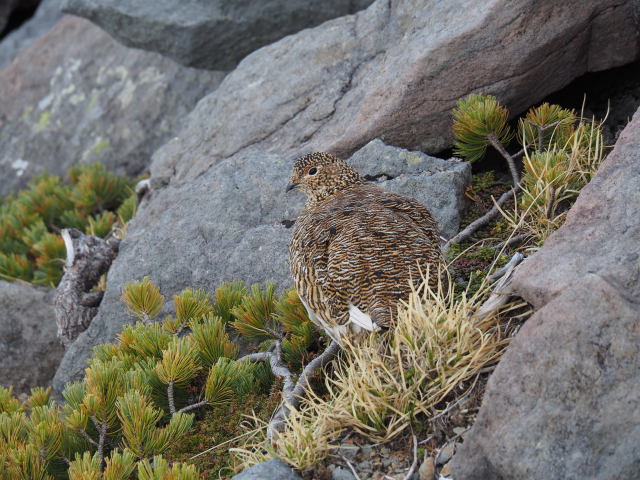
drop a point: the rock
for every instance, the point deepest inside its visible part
(215, 34)
(427, 469)
(29, 348)
(564, 402)
(77, 96)
(340, 473)
(13, 7)
(394, 71)
(46, 16)
(434, 182)
(232, 223)
(446, 453)
(273, 469)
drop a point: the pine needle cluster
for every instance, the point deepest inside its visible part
(560, 152)
(139, 394)
(93, 201)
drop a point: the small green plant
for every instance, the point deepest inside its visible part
(560, 153)
(94, 201)
(139, 394)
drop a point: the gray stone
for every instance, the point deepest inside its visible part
(46, 16)
(273, 469)
(340, 473)
(77, 96)
(29, 348)
(446, 453)
(215, 34)
(232, 223)
(11, 7)
(394, 71)
(564, 401)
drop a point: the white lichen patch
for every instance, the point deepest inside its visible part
(151, 75)
(99, 145)
(126, 95)
(412, 158)
(19, 166)
(77, 98)
(44, 120)
(45, 102)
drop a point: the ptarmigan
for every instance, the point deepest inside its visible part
(355, 247)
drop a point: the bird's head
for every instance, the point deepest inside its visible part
(321, 175)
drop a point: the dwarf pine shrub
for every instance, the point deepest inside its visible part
(93, 201)
(140, 393)
(560, 152)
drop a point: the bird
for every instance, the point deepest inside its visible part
(355, 247)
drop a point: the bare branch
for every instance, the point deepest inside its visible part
(550, 206)
(510, 241)
(495, 143)
(501, 292)
(88, 438)
(193, 406)
(172, 405)
(353, 470)
(415, 459)
(482, 221)
(88, 257)
(143, 187)
(102, 432)
(292, 394)
(293, 397)
(511, 264)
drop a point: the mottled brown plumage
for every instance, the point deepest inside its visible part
(356, 245)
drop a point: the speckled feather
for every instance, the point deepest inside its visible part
(356, 244)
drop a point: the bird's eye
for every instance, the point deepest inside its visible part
(313, 171)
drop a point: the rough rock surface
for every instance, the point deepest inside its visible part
(46, 16)
(394, 71)
(29, 348)
(11, 7)
(273, 469)
(564, 402)
(78, 96)
(232, 223)
(215, 34)
(437, 183)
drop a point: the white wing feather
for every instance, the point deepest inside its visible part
(361, 319)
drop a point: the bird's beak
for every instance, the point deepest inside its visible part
(291, 186)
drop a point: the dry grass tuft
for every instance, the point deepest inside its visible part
(383, 384)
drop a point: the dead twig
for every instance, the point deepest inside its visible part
(495, 143)
(510, 241)
(292, 394)
(415, 459)
(482, 221)
(353, 470)
(501, 292)
(512, 263)
(75, 305)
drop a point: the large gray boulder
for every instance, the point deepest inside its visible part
(29, 346)
(394, 71)
(564, 402)
(78, 96)
(233, 223)
(215, 34)
(46, 16)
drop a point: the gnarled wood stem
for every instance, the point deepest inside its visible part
(88, 257)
